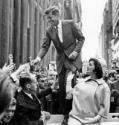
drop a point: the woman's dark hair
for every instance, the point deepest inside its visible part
(98, 68)
(5, 91)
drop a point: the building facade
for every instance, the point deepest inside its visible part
(115, 14)
(115, 41)
(106, 34)
(21, 29)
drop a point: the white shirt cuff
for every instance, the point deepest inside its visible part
(38, 58)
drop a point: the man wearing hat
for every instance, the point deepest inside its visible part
(68, 41)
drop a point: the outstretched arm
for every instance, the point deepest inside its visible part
(44, 48)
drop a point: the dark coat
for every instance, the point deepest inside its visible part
(28, 111)
(72, 41)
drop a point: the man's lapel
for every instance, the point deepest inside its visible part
(64, 33)
(28, 98)
(36, 98)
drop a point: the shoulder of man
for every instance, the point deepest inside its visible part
(20, 96)
(67, 21)
(21, 100)
(72, 23)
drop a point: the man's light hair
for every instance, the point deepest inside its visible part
(54, 9)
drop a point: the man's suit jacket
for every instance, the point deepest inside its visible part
(28, 111)
(72, 41)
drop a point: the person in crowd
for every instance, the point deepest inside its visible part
(6, 92)
(113, 83)
(112, 79)
(9, 113)
(68, 41)
(91, 97)
(116, 82)
(8, 86)
(28, 108)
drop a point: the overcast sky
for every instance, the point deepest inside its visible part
(92, 18)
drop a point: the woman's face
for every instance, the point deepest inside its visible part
(91, 67)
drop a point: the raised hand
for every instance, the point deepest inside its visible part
(36, 60)
(8, 68)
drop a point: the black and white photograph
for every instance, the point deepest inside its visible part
(59, 62)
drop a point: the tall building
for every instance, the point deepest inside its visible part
(106, 33)
(73, 10)
(115, 15)
(100, 51)
(115, 41)
(20, 29)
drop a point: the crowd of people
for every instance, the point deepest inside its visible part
(21, 95)
(29, 93)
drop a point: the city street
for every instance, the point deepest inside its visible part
(59, 61)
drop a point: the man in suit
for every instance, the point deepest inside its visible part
(28, 107)
(68, 41)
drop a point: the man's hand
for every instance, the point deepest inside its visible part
(36, 61)
(45, 116)
(73, 55)
(69, 94)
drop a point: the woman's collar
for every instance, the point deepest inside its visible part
(99, 81)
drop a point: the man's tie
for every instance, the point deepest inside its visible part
(34, 98)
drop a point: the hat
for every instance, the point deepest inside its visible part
(51, 9)
(102, 62)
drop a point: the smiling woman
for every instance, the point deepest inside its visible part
(91, 98)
